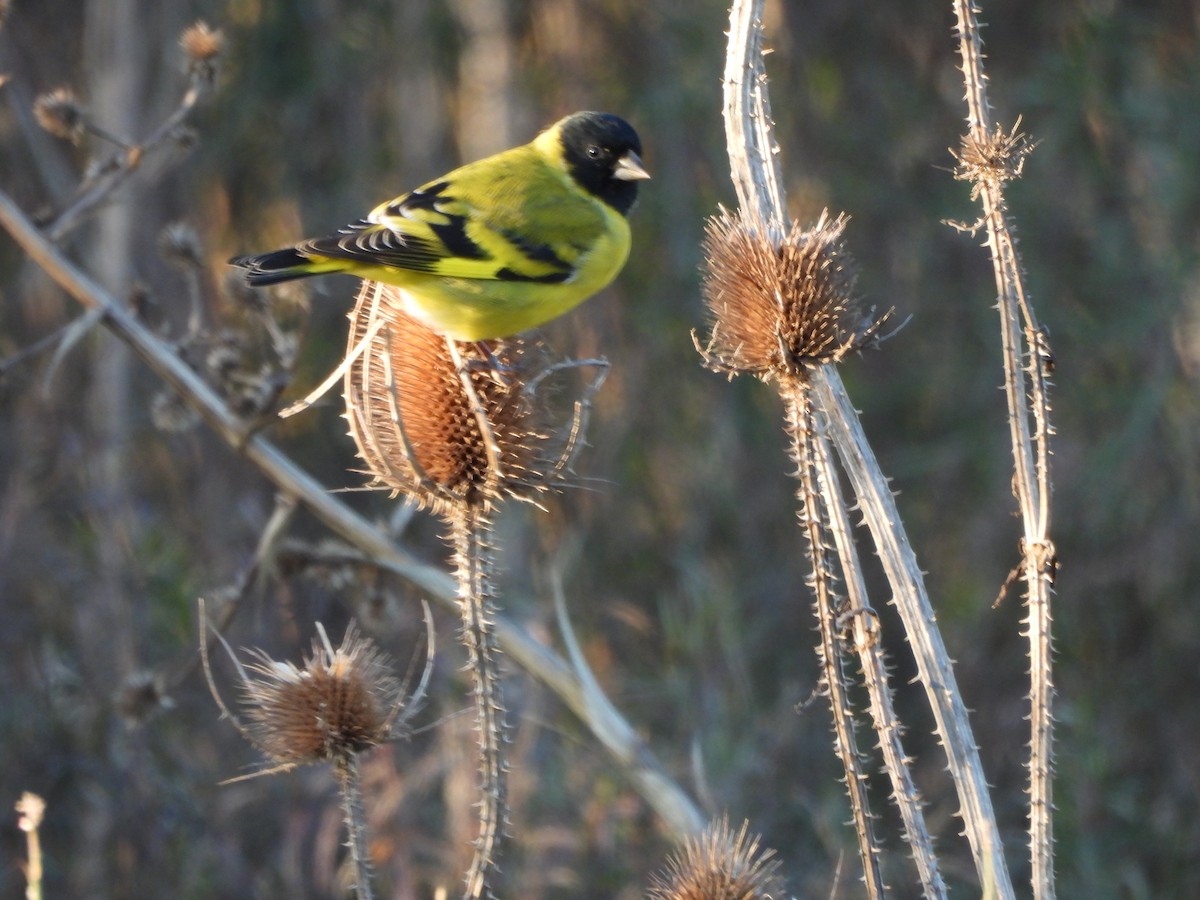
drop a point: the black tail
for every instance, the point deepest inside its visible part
(272, 268)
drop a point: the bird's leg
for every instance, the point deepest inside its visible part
(490, 363)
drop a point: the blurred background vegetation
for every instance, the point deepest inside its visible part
(682, 562)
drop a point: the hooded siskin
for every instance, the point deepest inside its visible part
(500, 245)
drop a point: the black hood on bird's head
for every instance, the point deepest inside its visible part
(598, 149)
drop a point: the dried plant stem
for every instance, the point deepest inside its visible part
(756, 176)
(469, 530)
(1025, 354)
(31, 809)
(864, 633)
(349, 779)
(799, 427)
(677, 809)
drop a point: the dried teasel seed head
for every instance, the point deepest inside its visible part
(202, 46)
(994, 159)
(446, 431)
(60, 113)
(336, 704)
(777, 307)
(720, 865)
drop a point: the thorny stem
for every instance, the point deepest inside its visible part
(865, 639)
(469, 528)
(349, 780)
(799, 427)
(1031, 478)
(756, 176)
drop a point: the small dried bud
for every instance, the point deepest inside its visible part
(180, 246)
(778, 307)
(338, 703)
(31, 809)
(60, 114)
(719, 865)
(202, 46)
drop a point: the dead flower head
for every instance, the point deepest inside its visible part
(202, 47)
(450, 423)
(777, 307)
(60, 113)
(335, 704)
(994, 159)
(720, 865)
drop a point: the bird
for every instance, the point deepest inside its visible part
(497, 246)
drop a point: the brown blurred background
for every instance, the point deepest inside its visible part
(681, 558)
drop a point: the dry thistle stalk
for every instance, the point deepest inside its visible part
(778, 307)
(990, 157)
(337, 704)
(456, 426)
(720, 865)
(31, 810)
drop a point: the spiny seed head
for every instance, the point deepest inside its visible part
(338, 703)
(777, 307)
(202, 46)
(719, 865)
(60, 113)
(416, 424)
(993, 159)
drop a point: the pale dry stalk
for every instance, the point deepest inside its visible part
(989, 158)
(756, 176)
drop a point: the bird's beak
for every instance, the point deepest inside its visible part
(630, 168)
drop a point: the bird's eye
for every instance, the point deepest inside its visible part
(595, 151)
